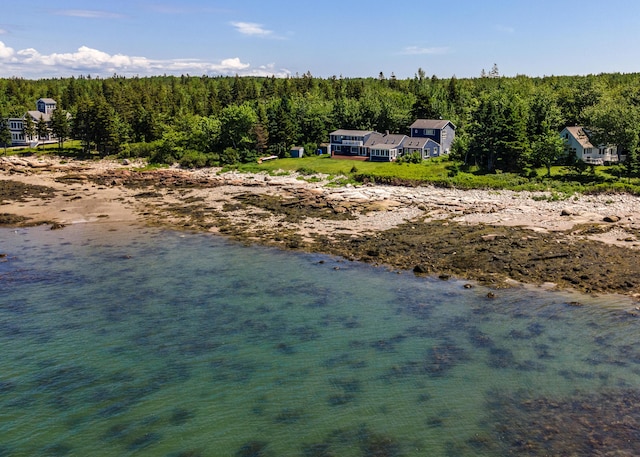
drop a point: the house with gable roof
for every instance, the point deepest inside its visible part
(440, 131)
(427, 147)
(430, 137)
(385, 148)
(579, 143)
(45, 107)
(349, 142)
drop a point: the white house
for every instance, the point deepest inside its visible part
(45, 106)
(578, 142)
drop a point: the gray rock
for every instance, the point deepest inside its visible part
(571, 212)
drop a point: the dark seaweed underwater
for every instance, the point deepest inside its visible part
(136, 341)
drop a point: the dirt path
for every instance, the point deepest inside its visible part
(590, 243)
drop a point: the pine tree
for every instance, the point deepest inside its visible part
(28, 128)
(42, 129)
(60, 126)
(494, 73)
(5, 134)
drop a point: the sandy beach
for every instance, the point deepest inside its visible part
(589, 242)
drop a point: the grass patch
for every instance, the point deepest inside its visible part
(444, 172)
(152, 166)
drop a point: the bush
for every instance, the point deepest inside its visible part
(194, 159)
(453, 170)
(530, 173)
(132, 150)
(306, 171)
(310, 148)
(414, 157)
(165, 155)
(248, 156)
(229, 156)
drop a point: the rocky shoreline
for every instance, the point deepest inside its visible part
(590, 243)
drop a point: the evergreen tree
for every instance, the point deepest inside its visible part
(28, 128)
(81, 126)
(60, 126)
(424, 108)
(5, 134)
(260, 138)
(42, 129)
(499, 132)
(282, 127)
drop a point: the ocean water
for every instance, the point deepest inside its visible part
(137, 341)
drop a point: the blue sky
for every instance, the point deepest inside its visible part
(60, 38)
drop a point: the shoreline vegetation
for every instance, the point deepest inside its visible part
(571, 236)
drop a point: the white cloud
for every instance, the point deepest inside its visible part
(3, 32)
(5, 51)
(29, 62)
(252, 29)
(505, 29)
(417, 50)
(89, 14)
(184, 9)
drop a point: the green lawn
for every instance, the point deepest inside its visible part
(445, 172)
(72, 148)
(325, 164)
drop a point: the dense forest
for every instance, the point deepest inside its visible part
(503, 123)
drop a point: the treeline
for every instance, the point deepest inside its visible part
(507, 124)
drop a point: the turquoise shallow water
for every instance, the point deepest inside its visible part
(135, 341)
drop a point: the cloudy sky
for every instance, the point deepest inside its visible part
(352, 38)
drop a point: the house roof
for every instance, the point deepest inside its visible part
(48, 101)
(435, 124)
(385, 146)
(378, 139)
(352, 132)
(36, 115)
(580, 135)
(415, 142)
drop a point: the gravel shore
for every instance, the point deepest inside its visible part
(490, 236)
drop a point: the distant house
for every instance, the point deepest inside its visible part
(45, 106)
(440, 131)
(425, 146)
(429, 137)
(385, 148)
(349, 142)
(578, 142)
(296, 152)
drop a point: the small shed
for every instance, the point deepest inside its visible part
(296, 152)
